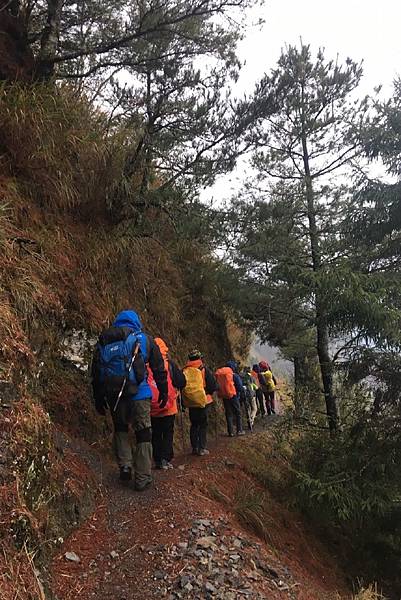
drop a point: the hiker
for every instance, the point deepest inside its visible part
(260, 399)
(119, 381)
(270, 386)
(163, 418)
(197, 396)
(269, 383)
(249, 395)
(229, 390)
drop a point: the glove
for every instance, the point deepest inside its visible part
(100, 405)
(162, 400)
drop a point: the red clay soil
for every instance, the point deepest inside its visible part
(144, 528)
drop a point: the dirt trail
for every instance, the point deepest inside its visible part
(182, 539)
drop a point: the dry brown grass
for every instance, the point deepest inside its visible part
(251, 507)
(18, 577)
(22, 491)
(369, 593)
(64, 265)
(54, 142)
(39, 482)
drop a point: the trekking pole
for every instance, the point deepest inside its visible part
(248, 416)
(215, 420)
(134, 355)
(182, 423)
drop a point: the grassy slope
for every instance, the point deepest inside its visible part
(64, 265)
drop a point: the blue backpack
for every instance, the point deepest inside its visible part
(119, 366)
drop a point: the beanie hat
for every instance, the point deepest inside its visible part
(195, 355)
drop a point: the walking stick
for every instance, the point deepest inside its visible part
(182, 423)
(215, 420)
(134, 355)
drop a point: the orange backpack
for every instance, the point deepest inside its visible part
(225, 380)
(171, 406)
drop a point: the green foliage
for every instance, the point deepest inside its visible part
(351, 483)
(306, 264)
(102, 38)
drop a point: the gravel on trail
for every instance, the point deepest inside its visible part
(177, 540)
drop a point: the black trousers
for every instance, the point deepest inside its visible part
(261, 401)
(162, 438)
(198, 431)
(270, 402)
(233, 413)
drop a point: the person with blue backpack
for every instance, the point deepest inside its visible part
(120, 383)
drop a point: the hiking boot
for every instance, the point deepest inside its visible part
(125, 473)
(240, 432)
(141, 487)
(195, 451)
(203, 452)
(230, 434)
(164, 465)
(169, 465)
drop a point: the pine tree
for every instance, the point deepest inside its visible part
(302, 114)
(81, 39)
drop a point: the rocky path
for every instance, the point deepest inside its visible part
(181, 539)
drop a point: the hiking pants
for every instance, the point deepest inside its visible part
(253, 408)
(198, 431)
(270, 403)
(137, 414)
(233, 413)
(162, 438)
(261, 401)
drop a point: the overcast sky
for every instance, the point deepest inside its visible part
(365, 30)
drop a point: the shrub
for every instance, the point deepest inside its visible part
(351, 483)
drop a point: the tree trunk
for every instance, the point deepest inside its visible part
(16, 58)
(49, 40)
(326, 366)
(141, 160)
(299, 380)
(322, 345)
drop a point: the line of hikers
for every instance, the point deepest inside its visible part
(133, 377)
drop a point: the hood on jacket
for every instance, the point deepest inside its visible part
(128, 318)
(162, 346)
(233, 365)
(256, 368)
(197, 364)
(264, 366)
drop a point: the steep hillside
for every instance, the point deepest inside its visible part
(67, 265)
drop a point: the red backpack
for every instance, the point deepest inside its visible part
(225, 380)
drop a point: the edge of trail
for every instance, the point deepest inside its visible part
(183, 538)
